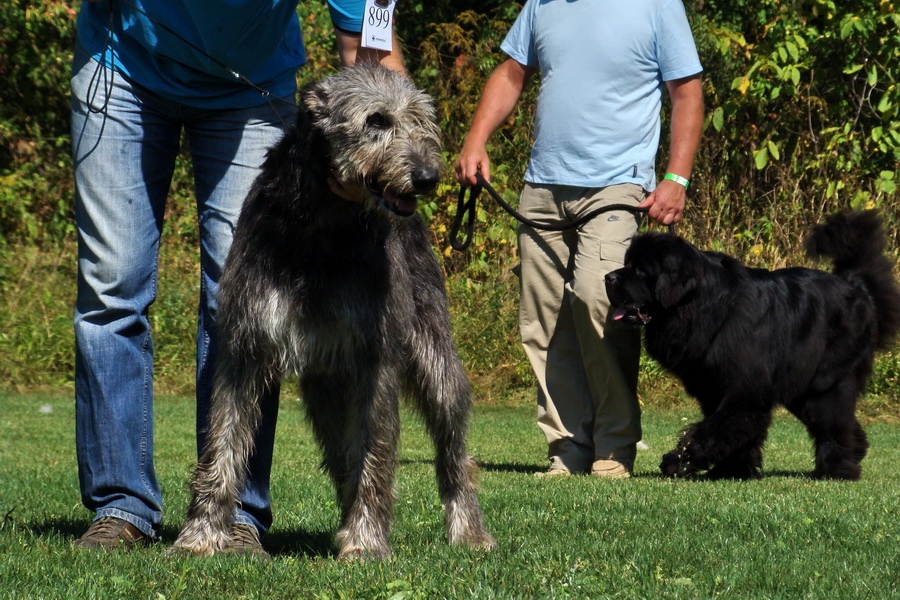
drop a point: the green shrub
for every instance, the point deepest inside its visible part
(802, 121)
(35, 168)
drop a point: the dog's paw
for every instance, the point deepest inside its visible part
(358, 553)
(197, 537)
(845, 470)
(732, 471)
(353, 544)
(676, 464)
(478, 540)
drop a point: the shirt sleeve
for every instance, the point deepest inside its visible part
(347, 15)
(519, 42)
(676, 51)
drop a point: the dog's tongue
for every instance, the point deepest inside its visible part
(404, 205)
(619, 314)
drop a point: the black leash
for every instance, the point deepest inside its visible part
(466, 209)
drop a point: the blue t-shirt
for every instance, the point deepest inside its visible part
(602, 65)
(259, 39)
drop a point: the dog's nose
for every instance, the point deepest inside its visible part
(612, 278)
(424, 179)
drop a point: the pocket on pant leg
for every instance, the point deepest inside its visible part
(614, 251)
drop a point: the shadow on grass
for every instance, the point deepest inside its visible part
(299, 542)
(484, 466)
(293, 542)
(70, 529)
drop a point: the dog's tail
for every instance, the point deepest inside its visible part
(854, 242)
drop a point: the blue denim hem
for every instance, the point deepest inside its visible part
(144, 526)
(243, 518)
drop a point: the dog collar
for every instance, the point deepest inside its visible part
(359, 197)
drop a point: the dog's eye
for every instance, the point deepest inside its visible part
(377, 120)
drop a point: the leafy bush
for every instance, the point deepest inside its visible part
(803, 119)
(35, 168)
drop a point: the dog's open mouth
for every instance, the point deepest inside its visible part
(403, 205)
(631, 314)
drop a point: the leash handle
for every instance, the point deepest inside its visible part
(463, 208)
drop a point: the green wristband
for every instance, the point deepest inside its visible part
(677, 179)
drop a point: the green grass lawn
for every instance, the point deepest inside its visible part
(785, 536)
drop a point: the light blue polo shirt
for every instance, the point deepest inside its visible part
(602, 65)
(259, 39)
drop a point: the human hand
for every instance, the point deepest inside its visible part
(666, 203)
(472, 159)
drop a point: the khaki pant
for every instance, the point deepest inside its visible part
(586, 368)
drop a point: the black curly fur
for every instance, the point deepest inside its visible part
(744, 340)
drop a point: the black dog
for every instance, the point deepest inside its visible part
(743, 340)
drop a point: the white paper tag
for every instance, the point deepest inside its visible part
(378, 22)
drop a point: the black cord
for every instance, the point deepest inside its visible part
(94, 84)
(265, 93)
(463, 207)
(108, 82)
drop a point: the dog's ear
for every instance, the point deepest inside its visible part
(314, 99)
(679, 277)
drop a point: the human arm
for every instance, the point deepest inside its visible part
(350, 50)
(498, 99)
(666, 202)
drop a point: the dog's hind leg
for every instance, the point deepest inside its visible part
(860, 442)
(839, 438)
(355, 418)
(221, 472)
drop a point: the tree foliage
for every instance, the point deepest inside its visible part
(803, 119)
(803, 113)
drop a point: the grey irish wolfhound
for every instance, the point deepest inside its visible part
(349, 297)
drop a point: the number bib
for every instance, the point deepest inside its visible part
(378, 21)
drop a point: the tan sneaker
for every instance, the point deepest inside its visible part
(245, 540)
(611, 469)
(110, 533)
(553, 472)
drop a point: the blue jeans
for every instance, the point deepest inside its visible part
(125, 141)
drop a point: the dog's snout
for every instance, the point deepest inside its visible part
(424, 179)
(612, 278)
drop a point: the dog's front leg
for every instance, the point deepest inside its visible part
(220, 474)
(680, 462)
(444, 399)
(731, 437)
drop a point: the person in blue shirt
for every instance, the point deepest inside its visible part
(223, 74)
(603, 67)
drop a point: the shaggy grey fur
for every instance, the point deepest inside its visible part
(348, 296)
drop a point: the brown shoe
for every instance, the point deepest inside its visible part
(610, 469)
(110, 533)
(245, 540)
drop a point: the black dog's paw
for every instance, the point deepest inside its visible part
(676, 464)
(844, 469)
(734, 471)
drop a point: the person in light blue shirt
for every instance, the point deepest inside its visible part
(221, 75)
(604, 66)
